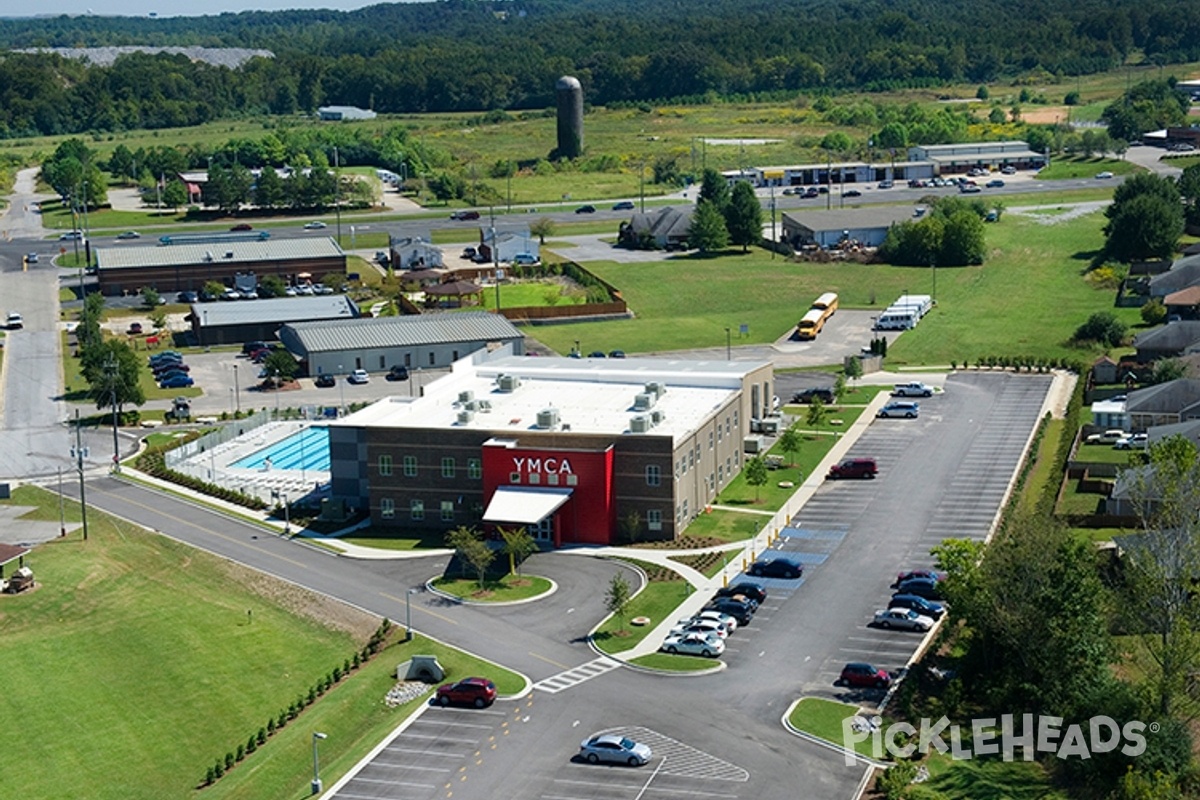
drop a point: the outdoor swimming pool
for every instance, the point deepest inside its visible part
(307, 449)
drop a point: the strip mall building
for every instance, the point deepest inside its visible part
(582, 451)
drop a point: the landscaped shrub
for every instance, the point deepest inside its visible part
(241, 753)
(229, 761)
(251, 744)
(262, 735)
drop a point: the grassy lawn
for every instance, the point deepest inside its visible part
(1043, 473)
(394, 539)
(990, 779)
(75, 387)
(1105, 454)
(503, 590)
(823, 719)
(728, 526)
(1074, 501)
(516, 295)
(658, 600)
(1079, 166)
(1027, 299)
(674, 663)
(166, 657)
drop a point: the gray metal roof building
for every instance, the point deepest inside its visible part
(376, 345)
(868, 225)
(251, 320)
(177, 267)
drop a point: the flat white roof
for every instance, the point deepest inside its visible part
(525, 505)
(591, 395)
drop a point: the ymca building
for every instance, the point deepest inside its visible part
(581, 451)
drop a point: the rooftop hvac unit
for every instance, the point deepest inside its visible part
(639, 424)
(656, 388)
(508, 383)
(643, 402)
(657, 416)
(547, 418)
(466, 396)
(483, 405)
(470, 405)
(465, 416)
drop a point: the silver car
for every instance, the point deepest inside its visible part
(903, 618)
(613, 749)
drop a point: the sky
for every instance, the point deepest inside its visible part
(175, 8)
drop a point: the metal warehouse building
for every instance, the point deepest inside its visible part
(180, 267)
(377, 345)
(260, 320)
(954, 158)
(581, 451)
(868, 225)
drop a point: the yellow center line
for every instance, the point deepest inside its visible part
(442, 617)
(190, 524)
(548, 661)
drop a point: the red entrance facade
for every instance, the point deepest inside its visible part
(588, 516)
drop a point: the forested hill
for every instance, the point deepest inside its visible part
(475, 55)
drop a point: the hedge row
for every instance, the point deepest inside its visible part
(153, 462)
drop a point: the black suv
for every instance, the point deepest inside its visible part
(739, 610)
(753, 591)
(807, 395)
(398, 373)
(325, 380)
(777, 568)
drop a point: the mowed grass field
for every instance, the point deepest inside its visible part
(1027, 298)
(137, 661)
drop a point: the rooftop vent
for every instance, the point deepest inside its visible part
(643, 402)
(508, 383)
(465, 417)
(656, 388)
(229, 254)
(466, 396)
(639, 424)
(657, 416)
(483, 405)
(547, 418)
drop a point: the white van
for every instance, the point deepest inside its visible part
(897, 320)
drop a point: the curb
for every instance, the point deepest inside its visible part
(429, 587)
(817, 740)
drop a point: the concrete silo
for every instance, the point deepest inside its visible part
(570, 117)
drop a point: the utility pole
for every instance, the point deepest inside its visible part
(508, 172)
(111, 377)
(642, 184)
(773, 237)
(79, 453)
(337, 197)
(62, 513)
(75, 226)
(87, 238)
(828, 182)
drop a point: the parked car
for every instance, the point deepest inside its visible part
(31, 258)
(905, 619)
(1133, 441)
(242, 226)
(616, 353)
(315, 225)
(129, 235)
(704, 627)
(741, 610)
(852, 193)
(613, 749)
(914, 389)
(597, 354)
(398, 373)
(71, 236)
(821, 393)
(469, 252)
(926, 608)
(187, 297)
(624, 205)
(1110, 436)
(325, 380)
(696, 643)
(359, 376)
(589, 209)
(752, 591)
(166, 355)
(860, 675)
(900, 409)
(231, 294)
(477, 692)
(524, 259)
(1103, 176)
(886, 184)
(1008, 169)
(994, 183)
(250, 347)
(776, 568)
(729, 622)
(135, 329)
(909, 574)
(14, 321)
(168, 367)
(464, 214)
(854, 468)
(969, 188)
(921, 587)
(177, 381)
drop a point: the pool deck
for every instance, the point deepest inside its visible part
(216, 465)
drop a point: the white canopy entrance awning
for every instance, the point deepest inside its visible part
(524, 505)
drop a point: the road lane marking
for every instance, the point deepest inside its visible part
(420, 608)
(548, 661)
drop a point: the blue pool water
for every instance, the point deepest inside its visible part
(306, 449)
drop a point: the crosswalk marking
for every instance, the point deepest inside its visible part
(572, 677)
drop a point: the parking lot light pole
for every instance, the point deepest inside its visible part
(316, 781)
(237, 391)
(408, 614)
(287, 516)
(342, 388)
(728, 345)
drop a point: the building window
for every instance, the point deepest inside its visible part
(385, 465)
(417, 509)
(535, 478)
(572, 480)
(683, 465)
(735, 418)
(474, 468)
(514, 477)
(447, 467)
(552, 479)
(454, 356)
(387, 508)
(720, 472)
(691, 460)
(410, 466)
(408, 359)
(653, 475)
(685, 508)
(654, 519)
(718, 430)
(710, 440)
(447, 511)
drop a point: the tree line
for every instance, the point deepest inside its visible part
(461, 55)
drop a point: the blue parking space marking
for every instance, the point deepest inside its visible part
(772, 585)
(812, 533)
(808, 559)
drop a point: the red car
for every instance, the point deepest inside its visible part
(854, 468)
(477, 692)
(864, 676)
(242, 226)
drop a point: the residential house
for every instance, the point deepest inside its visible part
(1164, 404)
(868, 225)
(503, 246)
(1183, 273)
(416, 253)
(665, 229)
(1169, 341)
(1184, 303)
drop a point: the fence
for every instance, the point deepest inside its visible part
(213, 439)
